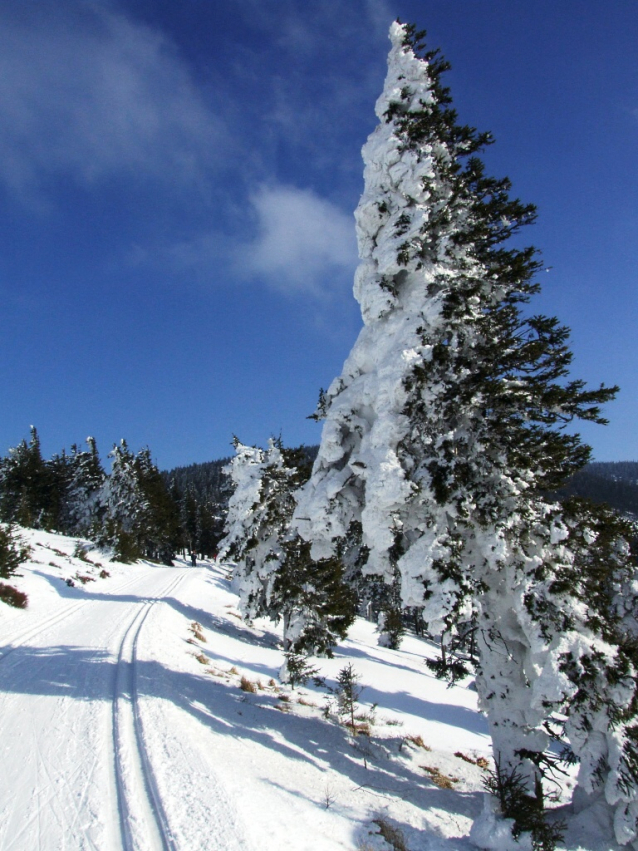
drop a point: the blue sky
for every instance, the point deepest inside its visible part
(177, 182)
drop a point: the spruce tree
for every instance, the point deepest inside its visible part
(125, 506)
(189, 509)
(83, 509)
(157, 522)
(445, 432)
(13, 552)
(24, 483)
(276, 576)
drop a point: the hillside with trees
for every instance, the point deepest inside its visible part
(443, 441)
(131, 510)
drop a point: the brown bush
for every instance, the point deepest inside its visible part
(12, 597)
(465, 758)
(196, 629)
(358, 729)
(418, 741)
(441, 780)
(392, 835)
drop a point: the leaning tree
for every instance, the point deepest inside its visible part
(443, 437)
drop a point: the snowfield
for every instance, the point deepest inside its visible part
(124, 725)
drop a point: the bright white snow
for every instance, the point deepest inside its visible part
(121, 728)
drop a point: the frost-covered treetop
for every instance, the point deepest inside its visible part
(446, 403)
(246, 472)
(404, 247)
(394, 206)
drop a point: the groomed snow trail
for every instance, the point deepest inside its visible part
(77, 770)
(125, 725)
(142, 817)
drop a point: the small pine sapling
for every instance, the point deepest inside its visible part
(13, 552)
(390, 622)
(510, 788)
(297, 670)
(348, 692)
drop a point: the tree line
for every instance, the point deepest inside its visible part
(133, 509)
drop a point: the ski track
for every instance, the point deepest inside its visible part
(53, 791)
(142, 816)
(14, 642)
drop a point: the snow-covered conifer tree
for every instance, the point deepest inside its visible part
(275, 574)
(83, 509)
(24, 483)
(444, 432)
(157, 527)
(125, 505)
(141, 518)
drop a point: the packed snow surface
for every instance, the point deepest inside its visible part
(124, 725)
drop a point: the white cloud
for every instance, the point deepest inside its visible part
(86, 93)
(304, 243)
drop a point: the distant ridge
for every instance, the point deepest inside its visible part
(613, 482)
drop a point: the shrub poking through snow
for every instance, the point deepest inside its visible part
(12, 597)
(392, 835)
(418, 741)
(481, 761)
(196, 629)
(80, 551)
(247, 685)
(328, 797)
(438, 778)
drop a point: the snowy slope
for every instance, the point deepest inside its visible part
(124, 726)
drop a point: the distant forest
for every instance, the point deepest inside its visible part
(205, 481)
(141, 512)
(613, 482)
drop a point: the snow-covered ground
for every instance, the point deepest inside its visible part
(123, 725)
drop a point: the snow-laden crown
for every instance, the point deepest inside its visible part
(394, 205)
(365, 421)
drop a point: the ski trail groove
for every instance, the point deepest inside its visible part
(143, 821)
(14, 642)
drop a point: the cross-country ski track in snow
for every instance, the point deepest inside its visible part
(124, 726)
(85, 778)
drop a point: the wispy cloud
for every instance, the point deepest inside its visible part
(86, 93)
(304, 243)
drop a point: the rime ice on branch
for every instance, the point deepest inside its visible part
(275, 575)
(444, 432)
